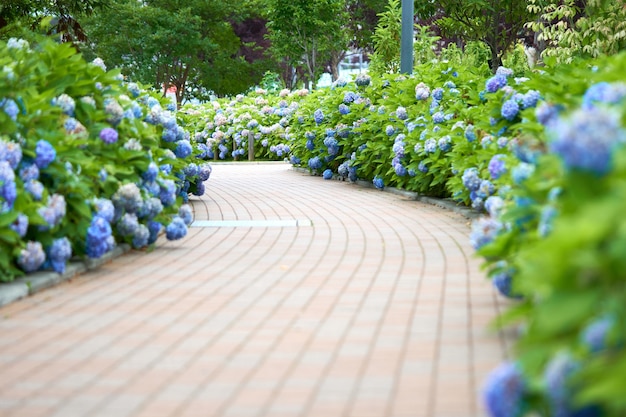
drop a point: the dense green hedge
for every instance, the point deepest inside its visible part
(87, 160)
(541, 154)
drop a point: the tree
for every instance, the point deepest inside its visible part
(498, 23)
(65, 15)
(190, 45)
(386, 38)
(570, 28)
(305, 33)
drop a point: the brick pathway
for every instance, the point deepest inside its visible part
(318, 298)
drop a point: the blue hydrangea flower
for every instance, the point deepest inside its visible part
(11, 152)
(183, 149)
(503, 393)
(108, 135)
(509, 110)
(315, 163)
(66, 103)
(497, 166)
(401, 113)
(20, 225)
(29, 171)
(470, 135)
(471, 179)
(445, 143)
(177, 229)
(439, 117)
(54, 212)
(422, 167)
(494, 205)
(151, 173)
(503, 282)
(59, 253)
(586, 139)
(546, 220)
(595, 335)
(167, 194)
(438, 94)
(486, 189)
(504, 71)
(318, 116)
(105, 209)
(127, 224)
(390, 130)
(35, 189)
(422, 91)
(560, 392)
(495, 83)
(141, 237)
(327, 174)
(430, 146)
(362, 80)
(343, 109)
(10, 108)
(115, 112)
(349, 97)
(185, 212)
(205, 171)
(352, 175)
(546, 113)
(400, 170)
(45, 153)
(484, 231)
(378, 182)
(155, 229)
(603, 92)
(98, 237)
(32, 257)
(128, 198)
(530, 99)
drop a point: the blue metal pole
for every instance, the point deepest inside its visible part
(406, 40)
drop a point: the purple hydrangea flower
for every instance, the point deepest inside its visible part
(497, 166)
(29, 171)
(503, 393)
(495, 83)
(509, 110)
(31, 257)
(586, 139)
(108, 135)
(45, 154)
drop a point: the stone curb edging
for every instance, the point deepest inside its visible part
(37, 281)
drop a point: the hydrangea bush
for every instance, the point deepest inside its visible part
(541, 154)
(87, 160)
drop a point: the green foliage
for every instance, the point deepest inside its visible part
(386, 56)
(424, 45)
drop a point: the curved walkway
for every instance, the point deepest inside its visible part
(291, 296)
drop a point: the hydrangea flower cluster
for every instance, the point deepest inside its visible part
(503, 393)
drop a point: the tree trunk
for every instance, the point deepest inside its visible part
(335, 59)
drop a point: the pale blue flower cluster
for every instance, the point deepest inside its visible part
(32, 257)
(177, 229)
(378, 182)
(59, 253)
(497, 166)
